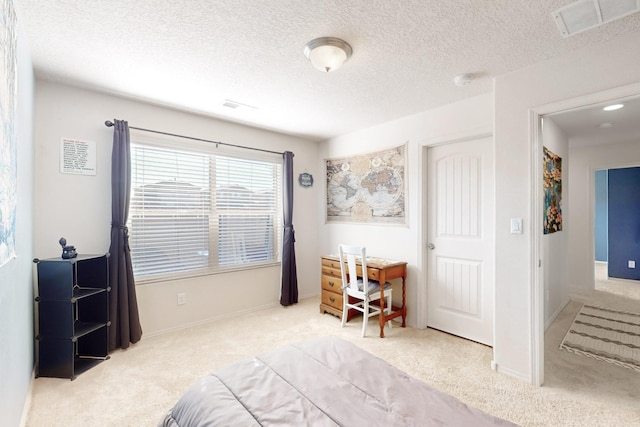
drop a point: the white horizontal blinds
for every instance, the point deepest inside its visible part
(199, 210)
(247, 210)
(170, 210)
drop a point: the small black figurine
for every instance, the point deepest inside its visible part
(67, 251)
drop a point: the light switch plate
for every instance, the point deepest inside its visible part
(516, 225)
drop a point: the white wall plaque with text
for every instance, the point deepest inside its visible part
(77, 157)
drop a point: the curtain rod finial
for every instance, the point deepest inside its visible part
(108, 123)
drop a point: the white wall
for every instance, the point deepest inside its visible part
(78, 207)
(595, 69)
(16, 278)
(584, 161)
(462, 119)
(554, 245)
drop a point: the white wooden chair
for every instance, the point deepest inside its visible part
(360, 288)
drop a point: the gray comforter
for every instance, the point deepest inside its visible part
(321, 382)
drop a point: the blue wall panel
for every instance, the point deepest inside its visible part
(624, 222)
(601, 216)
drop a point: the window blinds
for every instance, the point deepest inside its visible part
(197, 210)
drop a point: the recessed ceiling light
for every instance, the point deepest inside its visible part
(613, 107)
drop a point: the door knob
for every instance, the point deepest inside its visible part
(431, 246)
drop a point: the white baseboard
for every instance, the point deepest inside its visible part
(556, 313)
(510, 373)
(27, 403)
(208, 320)
(222, 316)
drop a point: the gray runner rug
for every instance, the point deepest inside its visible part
(605, 334)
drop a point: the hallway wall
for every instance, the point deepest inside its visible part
(584, 161)
(554, 245)
(601, 218)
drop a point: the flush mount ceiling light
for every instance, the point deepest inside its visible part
(327, 53)
(613, 107)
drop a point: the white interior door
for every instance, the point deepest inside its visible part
(460, 237)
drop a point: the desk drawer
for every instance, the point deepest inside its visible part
(330, 271)
(332, 268)
(373, 273)
(332, 299)
(330, 263)
(332, 284)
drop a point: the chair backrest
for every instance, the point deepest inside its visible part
(349, 253)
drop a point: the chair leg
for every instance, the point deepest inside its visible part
(365, 317)
(345, 310)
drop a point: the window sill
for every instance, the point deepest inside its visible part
(145, 280)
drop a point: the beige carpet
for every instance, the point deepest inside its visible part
(135, 387)
(604, 334)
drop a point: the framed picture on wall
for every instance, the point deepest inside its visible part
(8, 167)
(552, 181)
(368, 188)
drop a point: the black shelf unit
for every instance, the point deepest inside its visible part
(72, 303)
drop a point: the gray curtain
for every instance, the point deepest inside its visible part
(289, 292)
(123, 305)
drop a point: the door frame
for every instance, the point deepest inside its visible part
(536, 278)
(421, 291)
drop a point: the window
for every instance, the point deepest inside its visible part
(196, 209)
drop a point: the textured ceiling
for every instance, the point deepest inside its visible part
(195, 54)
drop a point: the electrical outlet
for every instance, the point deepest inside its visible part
(182, 298)
(631, 264)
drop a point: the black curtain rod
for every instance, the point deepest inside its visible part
(109, 124)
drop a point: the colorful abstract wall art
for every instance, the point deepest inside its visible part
(552, 181)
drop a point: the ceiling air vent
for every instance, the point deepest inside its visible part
(238, 106)
(230, 104)
(583, 15)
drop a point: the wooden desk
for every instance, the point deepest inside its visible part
(378, 269)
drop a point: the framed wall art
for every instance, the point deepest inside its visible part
(8, 166)
(368, 188)
(552, 181)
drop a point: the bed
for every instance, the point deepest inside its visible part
(319, 382)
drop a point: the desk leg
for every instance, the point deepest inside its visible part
(382, 317)
(404, 299)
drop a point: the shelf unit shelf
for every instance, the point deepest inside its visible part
(84, 328)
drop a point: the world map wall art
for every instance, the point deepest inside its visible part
(368, 188)
(8, 167)
(552, 181)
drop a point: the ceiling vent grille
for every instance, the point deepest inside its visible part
(583, 15)
(238, 106)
